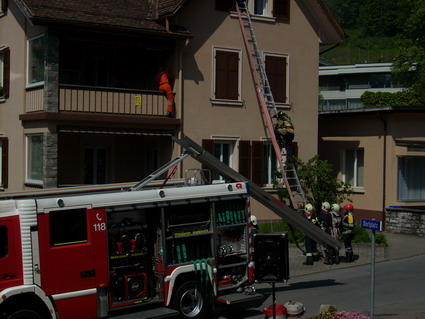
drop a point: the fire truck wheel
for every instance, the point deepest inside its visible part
(24, 314)
(191, 301)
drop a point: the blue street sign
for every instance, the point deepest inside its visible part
(371, 224)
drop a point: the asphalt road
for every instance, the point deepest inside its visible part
(400, 291)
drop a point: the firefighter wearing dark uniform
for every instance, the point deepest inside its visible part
(311, 252)
(347, 231)
(325, 219)
(284, 131)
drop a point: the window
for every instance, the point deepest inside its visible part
(4, 72)
(281, 9)
(95, 165)
(35, 159)
(3, 241)
(276, 69)
(4, 150)
(223, 151)
(227, 74)
(3, 7)
(68, 227)
(36, 60)
(270, 164)
(354, 167)
(261, 7)
(411, 178)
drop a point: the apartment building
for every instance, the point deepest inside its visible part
(80, 103)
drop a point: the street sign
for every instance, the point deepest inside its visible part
(371, 224)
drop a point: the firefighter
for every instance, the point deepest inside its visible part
(325, 219)
(165, 81)
(311, 252)
(347, 231)
(254, 223)
(284, 131)
(336, 221)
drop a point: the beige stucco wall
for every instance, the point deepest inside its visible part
(13, 28)
(338, 133)
(203, 120)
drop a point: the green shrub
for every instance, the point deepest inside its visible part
(281, 227)
(362, 235)
(406, 98)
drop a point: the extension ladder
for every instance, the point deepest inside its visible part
(267, 104)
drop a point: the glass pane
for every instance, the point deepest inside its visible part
(226, 154)
(36, 57)
(412, 178)
(259, 6)
(349, 167)
(3, 241)
(35, 161)
(360, 167)
(68, 227)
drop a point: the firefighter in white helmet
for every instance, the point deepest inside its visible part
(336, 221)
(311, 252)
(325, 219)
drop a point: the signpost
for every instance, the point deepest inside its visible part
(373, 225)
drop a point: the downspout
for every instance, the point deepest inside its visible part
(384, 175)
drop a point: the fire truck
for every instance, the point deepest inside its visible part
(144, 253)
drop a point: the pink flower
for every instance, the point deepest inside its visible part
(350, 315)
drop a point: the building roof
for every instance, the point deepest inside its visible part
(123, 14)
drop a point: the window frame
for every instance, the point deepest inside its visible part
(287, 88)
(268, 161)
(3, 7)
(5, 72)
(40, 83)
(344, 167)
(233, 142)
(239, 101)
(399, 172)
(4, 162)
(27, 161)
(267, 11)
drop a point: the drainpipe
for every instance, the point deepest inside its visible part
(384, 176)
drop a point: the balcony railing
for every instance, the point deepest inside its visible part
(77, 98)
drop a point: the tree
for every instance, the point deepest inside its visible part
(409, 66)
(319, 182)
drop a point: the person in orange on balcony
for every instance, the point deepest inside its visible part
(165, 81)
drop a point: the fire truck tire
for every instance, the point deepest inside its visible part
(191, 301)
(24, 314)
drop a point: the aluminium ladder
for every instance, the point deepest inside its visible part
(267, 104)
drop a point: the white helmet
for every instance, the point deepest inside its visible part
(326, 206)
(308, 208)
(336, 208)
(253, 220)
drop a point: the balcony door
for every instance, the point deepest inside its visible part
(96, 160)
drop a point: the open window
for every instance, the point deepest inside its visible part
(354, 167)
(4, 72)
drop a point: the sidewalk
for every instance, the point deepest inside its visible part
(399, 246)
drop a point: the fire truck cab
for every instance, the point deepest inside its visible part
(154, 252)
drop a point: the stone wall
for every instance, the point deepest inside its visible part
(405, 220)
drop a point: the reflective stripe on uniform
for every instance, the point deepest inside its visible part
(309, 254)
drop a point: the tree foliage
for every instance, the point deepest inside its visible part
(406, 98)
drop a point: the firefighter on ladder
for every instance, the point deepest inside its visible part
(284, 131)
(347, 231)
(311, 252)
(165, 81)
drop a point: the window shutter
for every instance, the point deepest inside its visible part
(281, 9)
(245, 158)
(6, 72)
(276, 73)
(208, 145)
(4, 4)
(225, 5)
(226, 75)
(4, 162)
(257, 162)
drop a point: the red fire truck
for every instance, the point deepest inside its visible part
(155, 252)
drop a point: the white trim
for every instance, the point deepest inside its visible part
(74, 294)
(27, 84)
(236, 50)
(355, 68)
(27, 179)
(227, 102)
(285, 104)
(17, 290)
(355, 187)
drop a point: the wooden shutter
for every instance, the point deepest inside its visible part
(6, 72)
(276, 73)
(281, 9)
(4, 161)
(227, 75)
(257, 162)
(245, 158)
(225, 5)
(208, 145)
(4, 4)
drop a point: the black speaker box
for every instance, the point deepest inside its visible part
(271, 257)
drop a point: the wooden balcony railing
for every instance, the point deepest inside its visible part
(34, 100)
(77, 98)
